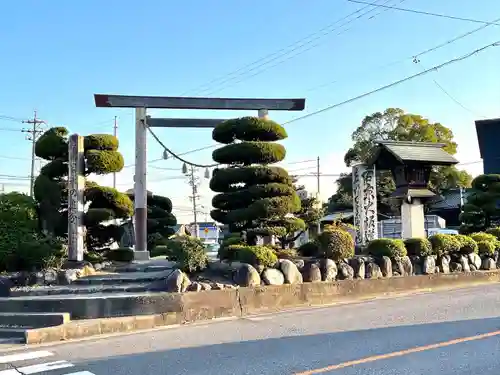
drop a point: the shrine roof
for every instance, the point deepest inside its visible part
(411, 152)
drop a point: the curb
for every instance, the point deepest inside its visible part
(218, 305)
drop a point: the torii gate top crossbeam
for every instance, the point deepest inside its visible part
(171, 102)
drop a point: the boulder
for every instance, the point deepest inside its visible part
(416, 263)
(429, 265)
(290, 272)
(299, 263)
(358, 266)
(488, 264)
(464, 261)
(444, 264)
(474, 259)
(386, 266)
(311, 272)
(372, 271)
(272, 276)
(346, 272)
(328, 270)
(67, 276)
(455, 267)
(247, 275)
(50, 276)
(407, 268)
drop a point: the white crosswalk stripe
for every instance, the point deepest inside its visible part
(27, 363)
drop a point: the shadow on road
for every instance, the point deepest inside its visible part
(290, 354)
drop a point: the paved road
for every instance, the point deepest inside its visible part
(443, 333)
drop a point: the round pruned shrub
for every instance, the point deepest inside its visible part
(390, 247)
(444, 244)
(486, 247)
(418, 246)
(467, 244)
(309, 249)
(255, 255)
(336, 244)
(483, 236)
(494, 231)
(225, 252)
(189, 253)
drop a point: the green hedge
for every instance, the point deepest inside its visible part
(309, 249)
(122, 254)
(254, 255)
(418, 246)
(387, 247)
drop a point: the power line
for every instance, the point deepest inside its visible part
(12, 157)
(455, 100)
(255, 65)
(449, 62)
(424, 13)
(287, 55)
(415, 56)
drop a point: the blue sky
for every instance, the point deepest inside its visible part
(57, 54)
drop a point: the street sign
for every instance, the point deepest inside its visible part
(183, 122)
(172, 102)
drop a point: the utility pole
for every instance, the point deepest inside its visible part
(115, 133)
(193, 181)
(32, 135)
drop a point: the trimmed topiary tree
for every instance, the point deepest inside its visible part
(103, 203)
(444, 244)
(252, 195)
(161, 220)
(481, 210)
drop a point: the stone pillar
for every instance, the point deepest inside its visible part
(364, 203)
(76, 186)
(412, 219)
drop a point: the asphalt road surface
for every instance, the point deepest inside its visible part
(446, 333)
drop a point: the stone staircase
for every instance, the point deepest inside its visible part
(13, 325)
(21, 311)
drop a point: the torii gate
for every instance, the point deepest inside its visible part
(142, 121)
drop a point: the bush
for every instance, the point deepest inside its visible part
(336, 244)
(418, 246)
(122, 254)
(188, 252)
(309, 249)
(286, 253)
(494, 231)
(444, 244)
(37, 254)
(225, 252)
(392, 248)
(486, 247)
(255, 255)
(467, 244)
(93, 257)
(483, 236)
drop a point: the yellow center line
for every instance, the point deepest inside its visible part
(398, 354)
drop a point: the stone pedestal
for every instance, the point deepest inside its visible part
(141, 255)
(412, 219)
(364, 203)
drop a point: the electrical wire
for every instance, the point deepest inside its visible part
(455, 100)
(287, 55)
(181, 154)
(364, 95)
(424, 13)
(413, 57)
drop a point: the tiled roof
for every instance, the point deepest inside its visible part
(419, 151)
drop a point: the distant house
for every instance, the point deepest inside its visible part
(450, 206)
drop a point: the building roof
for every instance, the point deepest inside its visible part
(395, 152)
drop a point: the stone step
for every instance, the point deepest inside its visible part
(123, 278)
(32, 320)
(12, 333)
(81, 289)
